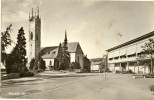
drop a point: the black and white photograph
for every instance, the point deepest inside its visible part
(77, 49)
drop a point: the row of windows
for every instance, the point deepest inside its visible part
(128, 56)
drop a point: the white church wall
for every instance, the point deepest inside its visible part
(72, 57)
(47, 62)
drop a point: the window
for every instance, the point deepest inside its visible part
(116, 57)
(31, 36)
(50, 62)
(110, 58)
(132, 55)
(123, 56)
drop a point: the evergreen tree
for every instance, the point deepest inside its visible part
(65, 53)
(19, 50)
(5, 42)
(42, 64)
(60, 56)
(32, 64)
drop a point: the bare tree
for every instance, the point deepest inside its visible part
(148, 51)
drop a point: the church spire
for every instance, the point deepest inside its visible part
(38, 11)
(32, 12)
(65, 40)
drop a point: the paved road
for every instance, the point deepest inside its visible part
(81, 86)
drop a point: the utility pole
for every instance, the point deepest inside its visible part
(105, 61)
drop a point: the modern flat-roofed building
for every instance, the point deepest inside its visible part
(126, 56)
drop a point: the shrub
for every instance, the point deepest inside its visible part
(117, 71)
(10, 64)
(10, 76)
(26, 74)
(38, 71)
(151, 87)
(106, 70)
(75, 65)
(128, 72)
(32, 63)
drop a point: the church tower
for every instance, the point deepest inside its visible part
(34, 35)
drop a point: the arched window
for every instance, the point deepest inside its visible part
(31, 36)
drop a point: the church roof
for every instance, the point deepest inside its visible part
(51, 52)
(72, 46)
(47, 49)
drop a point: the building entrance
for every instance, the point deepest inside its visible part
(123, 66)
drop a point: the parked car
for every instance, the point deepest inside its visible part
(149, 75)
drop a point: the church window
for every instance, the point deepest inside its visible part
(31, 35)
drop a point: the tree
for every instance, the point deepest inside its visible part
(65, 56)
(10, 64)
(42, 64)
(32, 64)
(5, 42)
(148, 50)
(59, 57)
(75, 65)
(19, 51)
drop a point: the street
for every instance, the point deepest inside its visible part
(79, 86)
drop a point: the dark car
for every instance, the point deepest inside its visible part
(149, 75)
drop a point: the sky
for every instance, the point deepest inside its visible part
(97, 25)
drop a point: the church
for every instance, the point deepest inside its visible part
(52, 55)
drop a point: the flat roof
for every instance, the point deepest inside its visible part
(133, 41)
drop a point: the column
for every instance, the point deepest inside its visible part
(120, 67)
(134, 67)
(114, 66)
(127, 65)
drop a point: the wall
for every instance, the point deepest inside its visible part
(95, 67)
(79, 56)
(72, 57)
(47, 62)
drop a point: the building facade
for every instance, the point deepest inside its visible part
(34, 36)
(96, 65)
(126, 56)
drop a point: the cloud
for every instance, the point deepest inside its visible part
(17, 17)
(17, 10)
